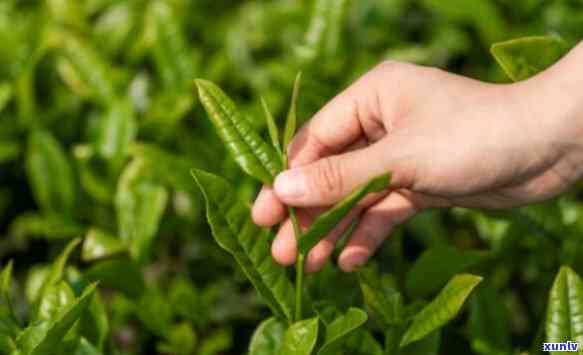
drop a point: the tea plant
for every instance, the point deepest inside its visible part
(327, 329)
(99, 129)
(67, 315)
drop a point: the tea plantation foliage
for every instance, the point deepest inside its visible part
(105, 246)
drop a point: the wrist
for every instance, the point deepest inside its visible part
(554, 109)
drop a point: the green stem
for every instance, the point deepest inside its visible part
(299, 266)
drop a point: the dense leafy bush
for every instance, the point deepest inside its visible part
(101, 124)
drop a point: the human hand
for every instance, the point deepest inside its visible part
(446, 139)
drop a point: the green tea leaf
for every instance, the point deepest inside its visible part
(565, 308)
(328, 220)
(235, 232)
(54, 299)
(442, 309)
(57, 270)
(117, 129)
(291, 121)
(340, 328)
(267, 338)
(140, 204)
(50, 174)
(99, 244)
(424, 278)
(489, 328)
(271, 127)
(172, 55)
(383, 299)
(45, 338)
(300, 338)
(252, 154)
(323, 34)
(525, 57)
(88, 69)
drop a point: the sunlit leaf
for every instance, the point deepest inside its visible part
(327, 221)
(524, 57)
(442, 309)
(255, 157)
(300, 338)
(565, 308)
(235, 232)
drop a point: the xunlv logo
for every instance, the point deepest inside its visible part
(567, 346)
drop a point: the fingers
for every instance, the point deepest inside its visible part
(375, 225)
(328, 180)
(267, 210)
(284, 247)
(336, 126)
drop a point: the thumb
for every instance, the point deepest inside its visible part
(330, 179)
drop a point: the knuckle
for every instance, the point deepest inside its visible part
(327, 178)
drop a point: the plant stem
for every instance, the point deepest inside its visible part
(299, 266)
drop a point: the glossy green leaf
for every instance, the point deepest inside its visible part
(565, 308)
(57, 270)
(267, 338)
(253, 155)
(300, 338)
(140, 204)
(291, 121)
(424, 279)
(50, 174)
(323, 33)
(54, 299)
(522, 58)
(49, 226)
(235, 232)
(442, 309)
(381, 297)
(488, 324)
(117, 129)
(88, 73)
(329, 219)
(339, 329)
(99, 244)
(44, 338)
(172, 56)
(271, 127)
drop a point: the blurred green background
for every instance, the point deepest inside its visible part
(100, 125)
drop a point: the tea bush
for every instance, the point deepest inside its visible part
(109, 246)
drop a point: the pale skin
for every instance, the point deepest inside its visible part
(447, 140)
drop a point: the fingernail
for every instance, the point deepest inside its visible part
(290, 183)
(355, 261)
